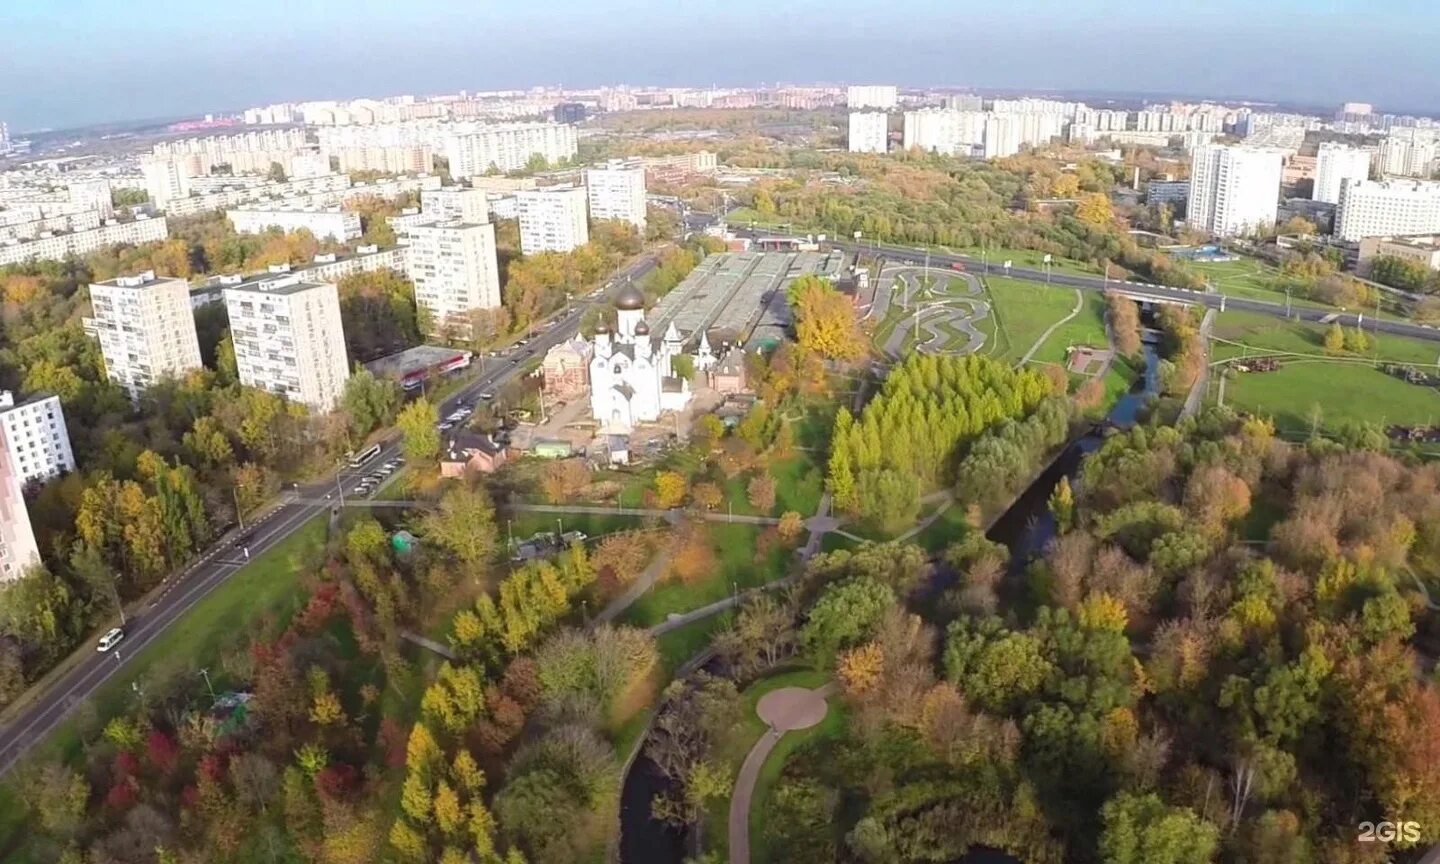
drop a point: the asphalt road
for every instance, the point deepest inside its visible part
(183, 590)
(1140, 289)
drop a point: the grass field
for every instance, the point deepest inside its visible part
(735, 570)
(1331, 390)
(1087, 328)
(1023, 310)
(1265, 333)
(1335, 394)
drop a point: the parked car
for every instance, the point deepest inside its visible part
(110, 640)
(487, 396)
(446, 426)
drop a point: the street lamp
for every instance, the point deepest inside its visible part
(205, 673)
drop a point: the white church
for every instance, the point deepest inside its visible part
(632, 376)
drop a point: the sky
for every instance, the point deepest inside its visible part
(65, 63)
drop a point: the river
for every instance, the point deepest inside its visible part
(1025, 529)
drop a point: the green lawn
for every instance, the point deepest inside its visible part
(949, 527)
(1087, 328)
(736, 570)
(1344, 393)
(1265, 333)
(224, 621)
(1023, 310)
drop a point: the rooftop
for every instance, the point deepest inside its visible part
(143, 279)
(282, 285)
(413, 360)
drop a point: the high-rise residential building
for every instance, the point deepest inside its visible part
(869, 132)
(289, 339)
(1409, 152)
(1233, 190)
(33, 432)
(4, 138)
(507, 147)
(146, 329)
(964, 102)
(92, 195)
(165, 181)
(552, 220)
(455, 204)
(18, 550)
(945, 131)
(1375, 208)
(881, 96)
(617, 191)
(455, 271)
(1335, 164)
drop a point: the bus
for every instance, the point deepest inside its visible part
(358, 459)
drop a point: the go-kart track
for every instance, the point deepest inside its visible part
(945, 316)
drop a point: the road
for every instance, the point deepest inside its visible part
(183, 590)
(1142, 290)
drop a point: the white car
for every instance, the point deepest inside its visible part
(110, 640)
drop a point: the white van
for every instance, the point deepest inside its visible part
(110, 640)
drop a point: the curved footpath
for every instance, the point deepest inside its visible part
(783, 710)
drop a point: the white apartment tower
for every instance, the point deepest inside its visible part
(617, 191)
(1377, 208)
(507, 147)
(552, 220)
(1334, 165)
(33, 432)
(18, 549)
(289, 340)
(881, 96)
(165, 181)
(869, 132)
(945, 131)
(1233, 190)
(146, 329)
(455, 271)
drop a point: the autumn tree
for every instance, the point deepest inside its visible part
(670, 489)
(563, 479)
(1124, 323)
(761, 492)
(825, 319)
(419, 435)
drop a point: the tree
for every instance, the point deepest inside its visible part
(371, 402)
(707, 496)
(276, 174)
(1124, 323)
(1142, 829)
(1095, 209)
(563, 479)
(1356, 342)
(1062, 506)
(825, 319)
(420, 437)
(761, 492)
(670, 489)
(1334, 338)
(844, 615)
(464, 525)
(791, 526)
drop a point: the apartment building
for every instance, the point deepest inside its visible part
(1409, 152)
(33, 432)
(881, 96)
(1375, 208)
(146, 329)
(552, 220)
(1336, 164)
(332, 223)
(945, 131)
(507, 147)
(455, 272)
(617, 191)
(1007, 132)
(1167, 191)
(1233, 189)
(18, 550)
(57, 246)
(165, 181)
(92, 195)
(869, 132)
(35, 229)
(413, 159)
(289, 339)
(455, 204)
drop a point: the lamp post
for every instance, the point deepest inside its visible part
(205, 673)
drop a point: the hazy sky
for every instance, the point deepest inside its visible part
(69, 62)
